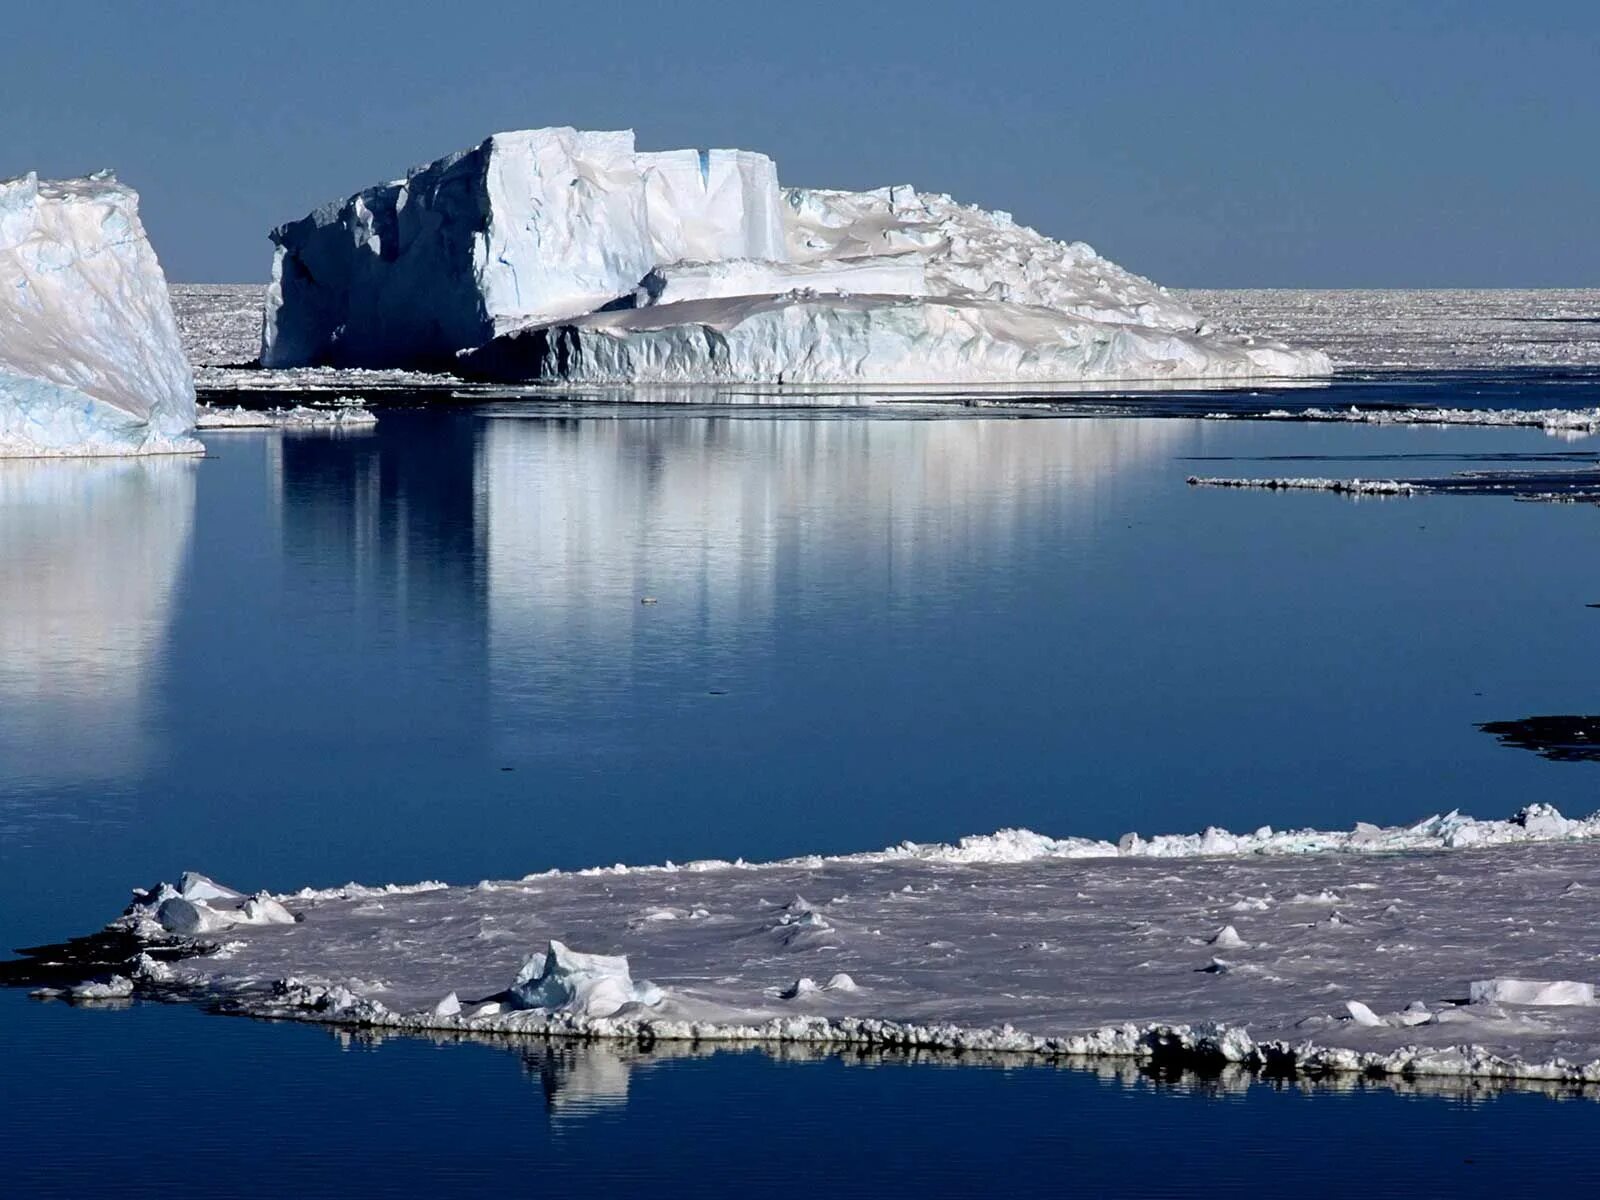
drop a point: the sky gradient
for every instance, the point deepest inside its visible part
(1232, 143)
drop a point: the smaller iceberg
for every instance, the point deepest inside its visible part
(90, 361)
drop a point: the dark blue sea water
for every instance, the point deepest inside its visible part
(423, 652)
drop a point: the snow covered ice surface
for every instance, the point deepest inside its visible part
(1451, 947)
(90, 358)
(530, 242)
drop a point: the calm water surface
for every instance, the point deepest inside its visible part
(423, 653)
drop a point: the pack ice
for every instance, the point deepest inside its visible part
(90, 361)
(557, 255)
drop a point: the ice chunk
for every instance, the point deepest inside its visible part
(1531, 992)
(177, 915)
(90, 361)
(194, 886)
(805, 986)
(1227, 938)
(1361, 1014)
(262, 909)
(118, 987)
(1543, 820)
(587, 985)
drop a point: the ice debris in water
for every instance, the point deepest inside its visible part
(117, 987)
(1350, 487)
(586, 985)
(1555, 420)
(344, 414)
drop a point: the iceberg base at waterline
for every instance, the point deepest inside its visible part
(803, 338)
(1452, 947)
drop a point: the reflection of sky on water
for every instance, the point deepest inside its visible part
(89, 558)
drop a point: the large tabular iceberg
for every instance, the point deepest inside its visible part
(90, 361)
(556, 255)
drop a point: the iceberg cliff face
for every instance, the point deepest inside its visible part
(90, 361)
(559, 256)
(531, 226)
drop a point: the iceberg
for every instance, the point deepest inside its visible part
(90, 360)
(564, 256)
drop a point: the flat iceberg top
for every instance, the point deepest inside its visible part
(90, 359)
(1453, 946)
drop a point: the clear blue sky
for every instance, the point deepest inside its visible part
(1227, 143)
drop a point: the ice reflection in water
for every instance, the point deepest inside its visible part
(582, 1078)
(652, 536)
(90, 552)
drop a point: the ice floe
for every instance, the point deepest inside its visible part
(1449, 946)
(341, 413)
(1554, 420)
(1349, 487)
